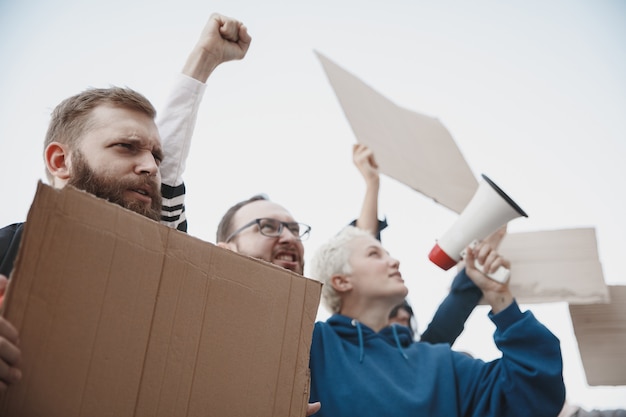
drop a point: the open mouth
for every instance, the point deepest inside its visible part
(286, 257)
(288, 260)
(142, 194)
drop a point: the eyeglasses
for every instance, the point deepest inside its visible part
(274, 228)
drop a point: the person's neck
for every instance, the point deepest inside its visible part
(58, 184)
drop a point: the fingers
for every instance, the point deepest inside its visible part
(469, 259)
(9, 375)
(313, 408)
(9, 339)
(486, 256)
(232, 30)
(244, 37)
(229, 29)
(222, 39)
(363, 156)
(489, 258)
(495, 291)
(4, 283)
(9, 355)
(372, 160)
(357, 154)
(357, 150)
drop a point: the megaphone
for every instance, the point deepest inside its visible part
(489, 209)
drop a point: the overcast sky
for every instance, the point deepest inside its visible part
(533, 92)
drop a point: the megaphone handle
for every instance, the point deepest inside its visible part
(501, 275)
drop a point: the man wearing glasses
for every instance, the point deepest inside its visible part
(264, 230)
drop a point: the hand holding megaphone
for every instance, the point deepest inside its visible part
(502, 274)
(489, 209)
(483, 264)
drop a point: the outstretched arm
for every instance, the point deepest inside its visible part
(222, 39)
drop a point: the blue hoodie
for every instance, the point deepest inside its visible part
(358, 372)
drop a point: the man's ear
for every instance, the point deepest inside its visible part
(57, 159)
(341, 283)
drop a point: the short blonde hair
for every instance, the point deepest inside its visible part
(333, 258)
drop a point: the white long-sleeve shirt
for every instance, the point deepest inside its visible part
(176, 123)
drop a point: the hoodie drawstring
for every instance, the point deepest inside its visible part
(397, 339)
(360, 333)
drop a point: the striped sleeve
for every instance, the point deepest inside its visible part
(173, 209)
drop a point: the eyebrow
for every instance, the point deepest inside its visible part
(378, 248)
(157, 150)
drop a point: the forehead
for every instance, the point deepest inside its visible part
(124, 123)
(259, 209)
(361, 244)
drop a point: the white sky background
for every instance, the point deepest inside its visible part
(533, 92)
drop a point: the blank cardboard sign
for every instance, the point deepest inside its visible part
(121, 316)
(410, 147)
(600, 330)
(555, 265)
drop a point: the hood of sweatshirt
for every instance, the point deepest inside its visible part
(358, 333)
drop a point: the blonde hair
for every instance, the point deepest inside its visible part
(333, 258)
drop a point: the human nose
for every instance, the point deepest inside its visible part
(394, 262)
(146, 164)
(287, 235)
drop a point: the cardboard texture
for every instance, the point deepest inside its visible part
(413, 148)
(121, 316)
(601, 334)
(555, 265)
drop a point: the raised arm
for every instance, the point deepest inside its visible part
(363, 158)
(449, 319)
(222, 39)
(527, 379)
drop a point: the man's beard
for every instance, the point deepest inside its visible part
(84, 178)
